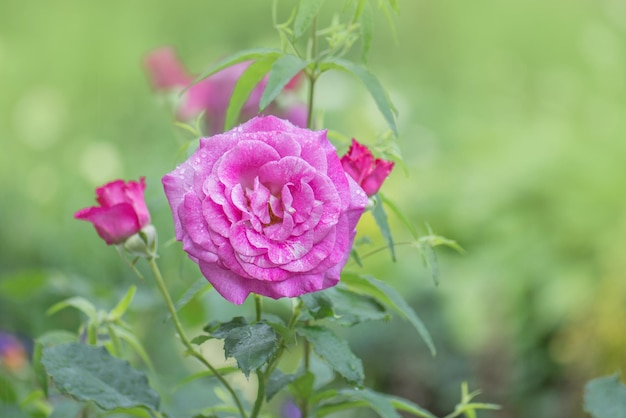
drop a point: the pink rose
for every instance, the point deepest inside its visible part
(212, 95)
(265, 208)
(360, 164)
(122, 211)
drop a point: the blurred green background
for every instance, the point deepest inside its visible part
(512, 123)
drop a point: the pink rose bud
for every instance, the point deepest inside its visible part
(266, 208)
(122, 211)
(165, 70)
(360, 164)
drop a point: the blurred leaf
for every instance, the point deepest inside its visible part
(12, 411)
(391, 205)
(335, 351)
(381, 220)
(57, 336)
(207, 373)
(245, 85)
(221, 330)
(302, 387)
(200, 339)
(372, 84)
(354, 308)
(318, 304)
(132, 340)
(251, 345)
(198, 287)
(22, 284)
(384, 405)
(40, 372)
(307, 11)
(66, 409)
(236, 58)
(77, 302)
(277, 381)
(7, 394)
(283, 70)
(388, 296)
(429, 256)
(92, 374)
(366, 21)
(605, 397)
(118, 311)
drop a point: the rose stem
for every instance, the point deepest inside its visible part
(185, 340)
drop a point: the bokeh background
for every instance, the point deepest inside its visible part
(512, 127)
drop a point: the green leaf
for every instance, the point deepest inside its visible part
(367, 29)
(22, 284)
(410, 407)
(388, 296)
(200, 339)
(66, 409)
(58, 336)
(381, 220)
(92, 374)
(77, 302)
(335, 352)
(407, 223)
(40, 371)
(241, 56)
(122, 305)
(12, 411)
(198, 287)
(277, 381)
(605, 397)
(7, 394)
(132, 340)
(245, 85)
(372, 84)
(303, 386)
(354, 308)
(251, 345)
(283, 70)
(319, 304)
(307, 11)
(221, 330)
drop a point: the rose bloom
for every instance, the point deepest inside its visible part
(212, 95)
(266, 208)
(122, 211)
(366, 170)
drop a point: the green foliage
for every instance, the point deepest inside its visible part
(371, 83)
(335, 351)
(344, 306)
(307, 12)
(283, 70)
(92, 374)
(391, 299)
(605, 397)
(381, 220)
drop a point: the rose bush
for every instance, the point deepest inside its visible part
(266, 208)
(366, 170)
(122, 211)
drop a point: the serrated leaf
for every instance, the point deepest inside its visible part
(319, 304)
(388, 296)
(307, 11)
(378, 211)
(91, 374)
(250, 78)
(236, 58)
(335, 351)
(277, 381)
(221, 330)
(605, 397)
(198, 287)
(251, 345)
(118, 311)
(371, 82)
(77, 302)
(283, 70)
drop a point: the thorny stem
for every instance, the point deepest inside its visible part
(181, 333)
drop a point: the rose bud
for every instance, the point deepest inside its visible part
(368, 172)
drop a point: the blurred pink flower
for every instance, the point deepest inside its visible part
(122, 211)
(12, 352)
(266, 208)
(212, 95)
(361, 165)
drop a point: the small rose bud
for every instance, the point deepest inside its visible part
(122, 211)
(368, 172)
